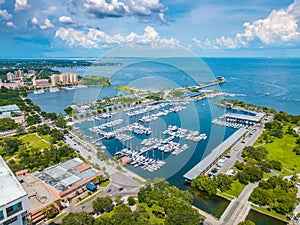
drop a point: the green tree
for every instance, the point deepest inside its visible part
(7, 124)
(82, 218)
(276, 165)
(204, 183)
(10, 146)
(247, 222)
(131, 200)
(68, 110)
(223, 182)
(102, 204)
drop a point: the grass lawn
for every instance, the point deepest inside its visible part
(281, 149)
(137, 180)
(46, 138)
(236, 189)
(268, 212)
(104, 184)
(34, 141)
(153, 219)
(89, 198)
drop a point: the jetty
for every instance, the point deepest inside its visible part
(205, 164)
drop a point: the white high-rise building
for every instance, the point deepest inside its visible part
(13, 198)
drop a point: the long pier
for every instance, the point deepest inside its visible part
(205, 164)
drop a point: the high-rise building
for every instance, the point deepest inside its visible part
(13, 198)
(17, 75)
(64, 78)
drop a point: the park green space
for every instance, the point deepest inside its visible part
(281, 149)
(236, 189)
(126, 89)
(153, 219)
(35, 141)
(269, 212)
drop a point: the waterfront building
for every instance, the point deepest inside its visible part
(13, 198)
(13, 112)
(12, 85)
(66, 178)
(40, 82)
(17, 75)
(41, 198)
(205, 164)
(64, 78)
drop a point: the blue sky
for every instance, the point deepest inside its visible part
(52, 28)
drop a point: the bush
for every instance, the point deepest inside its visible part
(276, 165)
(131, 201)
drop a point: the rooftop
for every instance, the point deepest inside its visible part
(215, 154)
(10, 187)
(67, 174)
(9, 108)
(38, 194)
(255, 118)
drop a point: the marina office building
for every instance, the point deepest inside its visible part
(13, 198)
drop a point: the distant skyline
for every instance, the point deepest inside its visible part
(89, 28)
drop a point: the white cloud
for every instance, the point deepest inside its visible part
(35, 21)
(145, 7)
(95, 38)
(10, 24)
(5, 15)
(118, 8)
(280, 26)
(21, 5)
(102, 8)
(47, 23)
(65, 20)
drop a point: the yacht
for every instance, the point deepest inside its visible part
(54, 89)
(37, 92)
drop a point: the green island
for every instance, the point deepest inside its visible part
(95, 81)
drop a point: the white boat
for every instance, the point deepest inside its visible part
(37, 92)
(70, 88)
(54, 89)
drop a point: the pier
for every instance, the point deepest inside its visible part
(205, 164)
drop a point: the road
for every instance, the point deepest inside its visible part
(239, 208)
(236, 152)
(121, 183)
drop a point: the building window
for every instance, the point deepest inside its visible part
(10, 220)
(14, 209)
(1, 215)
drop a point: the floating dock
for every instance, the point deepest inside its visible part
(205, 164)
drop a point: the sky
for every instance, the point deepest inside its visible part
(90, 28)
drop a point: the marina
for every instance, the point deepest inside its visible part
(173, 140)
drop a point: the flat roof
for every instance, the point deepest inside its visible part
(67, 174)
(215, 154)
(9, 108)
(38, 194)
(10, 187)
(255, 118)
